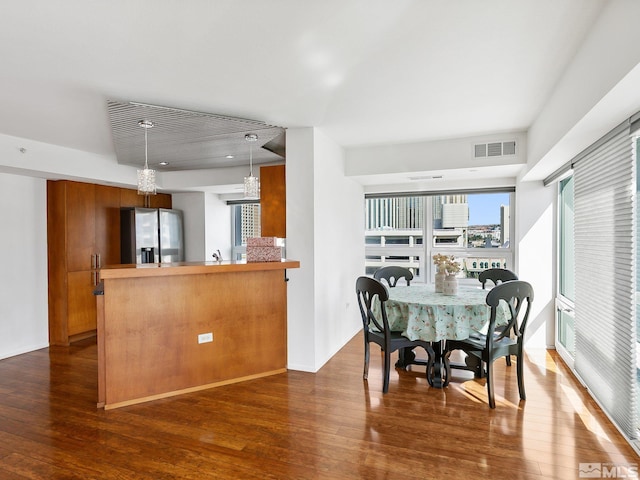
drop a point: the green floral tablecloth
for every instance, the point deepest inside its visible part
(422, 314)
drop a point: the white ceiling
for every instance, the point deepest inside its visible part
(364, 71)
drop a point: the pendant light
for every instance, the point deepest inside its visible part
(251, 183)
(146, 176)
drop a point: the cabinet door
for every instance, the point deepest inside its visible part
(161, 200)
(130, 198)
(81, 302)
(273, 199)
(81, 226)
(107, 218)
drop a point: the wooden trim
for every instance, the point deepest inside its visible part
(81, 336)
(100, 348)
(190, 390)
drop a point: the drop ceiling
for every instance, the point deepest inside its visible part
(187, 140)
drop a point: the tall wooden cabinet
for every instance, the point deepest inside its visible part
(83, 229)
(273, 200)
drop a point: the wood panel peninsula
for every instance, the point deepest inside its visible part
(166, 329)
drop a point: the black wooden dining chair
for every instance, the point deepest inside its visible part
(392, 274)
(376, 327)
(498, 342)
(497, 276)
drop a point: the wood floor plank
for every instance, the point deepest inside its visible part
(298, 425)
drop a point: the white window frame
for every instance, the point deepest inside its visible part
(563, 305)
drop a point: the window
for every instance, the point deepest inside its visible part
(597, 249)
(393, 233)
(566, 280)
(475, 227)
(245, 223)
(565, 328)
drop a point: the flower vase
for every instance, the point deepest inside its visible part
(440, 276)
(450, 285)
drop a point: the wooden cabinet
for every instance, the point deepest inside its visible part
(83, 229)
(273, 198)
(150, 320)
(78, 217)
(107, 225)
(130, 198)
(81, 310)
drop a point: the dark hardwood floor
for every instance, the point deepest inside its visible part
(329, 425)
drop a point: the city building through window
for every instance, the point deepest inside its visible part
(245, 223)
(475, 228)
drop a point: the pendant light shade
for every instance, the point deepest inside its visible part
(146, 176)
(251, 183)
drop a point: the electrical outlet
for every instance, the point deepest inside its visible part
(205, 337)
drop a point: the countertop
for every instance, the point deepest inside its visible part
(190, 268)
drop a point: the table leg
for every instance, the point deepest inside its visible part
(406, 357)
(438, 369)
(475, 365)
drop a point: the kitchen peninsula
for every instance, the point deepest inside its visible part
(166, 329)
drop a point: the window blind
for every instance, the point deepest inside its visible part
(605, 277)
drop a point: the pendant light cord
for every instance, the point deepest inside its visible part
(146, 164)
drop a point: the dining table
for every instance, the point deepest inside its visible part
(421, 313)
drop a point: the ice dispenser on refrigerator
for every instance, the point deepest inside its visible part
(151, 235)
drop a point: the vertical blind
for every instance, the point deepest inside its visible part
(605, 277)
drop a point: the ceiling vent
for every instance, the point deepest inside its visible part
(494, 149)
(426, 177)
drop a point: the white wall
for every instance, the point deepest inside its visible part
(598, 90)
(301, 246)
(450, 154)
(23, 275)
(535, 257)
(207, 225)
(217, 227)
(325, 232)
(193, 215)
(339, 249)
(43, 160)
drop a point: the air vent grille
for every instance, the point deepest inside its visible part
(494, 149)
(426, 177)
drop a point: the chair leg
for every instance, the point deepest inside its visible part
(365, 374)
(385, 373)
(508, 359)
(492, 401)
(520, 370)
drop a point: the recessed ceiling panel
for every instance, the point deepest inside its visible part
(189, 140)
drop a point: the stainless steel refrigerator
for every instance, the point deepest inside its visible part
(151, 235)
